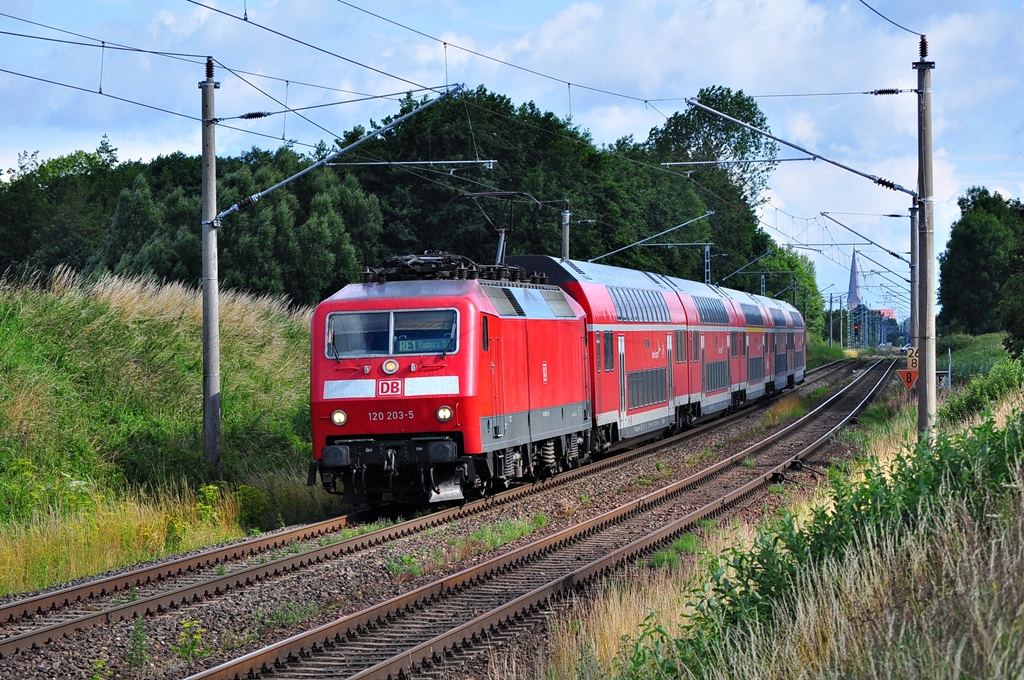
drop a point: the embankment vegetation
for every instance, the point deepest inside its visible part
(101, 424)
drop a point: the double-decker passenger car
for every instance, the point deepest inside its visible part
(437, 375)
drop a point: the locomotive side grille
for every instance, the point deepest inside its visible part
(504, 304)
(515, 303)
(556, 300)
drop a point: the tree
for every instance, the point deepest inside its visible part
(137, 219)
(975, 265)
(696, 135)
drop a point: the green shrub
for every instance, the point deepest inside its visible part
(1004, 378)
(819, 353)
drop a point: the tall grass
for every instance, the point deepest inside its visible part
(101, 412)
(940, 601)
(55, 547)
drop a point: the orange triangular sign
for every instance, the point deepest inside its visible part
(908, 377)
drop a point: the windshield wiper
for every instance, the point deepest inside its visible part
(451, 342)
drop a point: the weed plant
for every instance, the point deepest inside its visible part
(281, 617)
(136, 655)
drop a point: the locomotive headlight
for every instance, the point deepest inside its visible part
(390, 366)
(444, 414)
(339, 418)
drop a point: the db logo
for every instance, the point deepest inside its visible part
(389, 388)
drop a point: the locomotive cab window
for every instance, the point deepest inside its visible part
(381, 333)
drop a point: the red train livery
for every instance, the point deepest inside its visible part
(437, 376)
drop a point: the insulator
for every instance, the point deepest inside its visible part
(209, 68)
(886, 183)
(924, 47)
(254, 115)
(246, 202)
(888, 90)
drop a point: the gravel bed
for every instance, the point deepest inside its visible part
(244, 620)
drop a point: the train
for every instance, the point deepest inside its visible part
(437, 378)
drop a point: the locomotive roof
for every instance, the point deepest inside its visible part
(509, 298)
(563, 271)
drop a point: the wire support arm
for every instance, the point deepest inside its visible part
(874, 178)
(661, 233)
(891, 252)
(250, 200)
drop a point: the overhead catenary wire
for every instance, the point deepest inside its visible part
(891, 252)
(236, 71)
(138, 103)
(250, 200)
(888, 19)
(192, 58)
(307, 44)
(103, 45)
(874, 178)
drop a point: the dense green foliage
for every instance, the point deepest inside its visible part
(748, 586)
(309, 238)
(981, 272)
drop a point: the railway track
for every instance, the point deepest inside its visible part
(35, 621)
(423, 626)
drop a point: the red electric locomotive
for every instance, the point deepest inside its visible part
(437, 375)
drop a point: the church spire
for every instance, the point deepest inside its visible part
(854, 301)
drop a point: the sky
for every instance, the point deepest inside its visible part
(646, 56)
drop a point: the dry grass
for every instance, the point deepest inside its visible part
(944, 602)
(59, 547)
(143, 297)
